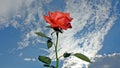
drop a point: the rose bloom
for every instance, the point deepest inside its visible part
(58, 19)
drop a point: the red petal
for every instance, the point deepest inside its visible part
(47, 19)
(58, 15)
(59, 20)
(50, 15)
(68, 16)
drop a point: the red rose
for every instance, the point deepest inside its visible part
(59, 20)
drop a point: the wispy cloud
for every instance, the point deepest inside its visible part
(29, 59)
(9, 8)
(106, 61)
(27, 18)
(92, 21)
(20, 54)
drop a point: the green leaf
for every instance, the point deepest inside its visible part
(49, 44)
(50, 66)
(44, 59)
(83, 57)
(46, 65)
(42, 35)
(65, 55)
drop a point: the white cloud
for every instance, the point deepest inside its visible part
(8, 6)
(29, 59)
(31, 24)
(8, 9)
(107, 55)
(106, 61)
(20, 54)
(91, 22)
(24, 19)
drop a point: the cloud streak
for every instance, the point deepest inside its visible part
(92, 21)
(29, 59)
(8, 9)
(27, 17)
(106, 61)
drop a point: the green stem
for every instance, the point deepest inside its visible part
(57, 59)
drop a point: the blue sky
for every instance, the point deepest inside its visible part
(95, 33)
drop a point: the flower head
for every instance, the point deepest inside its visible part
(58, 19)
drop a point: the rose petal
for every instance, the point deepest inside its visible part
(51, 15)
(68, 16)
(47, 19)
(58, 15)
(59, 20)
